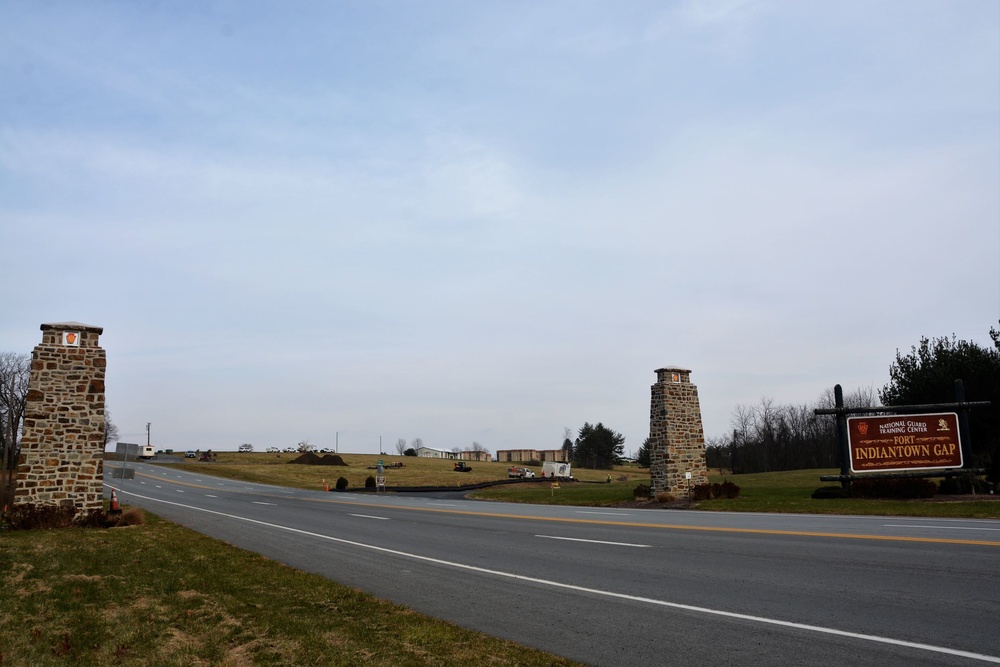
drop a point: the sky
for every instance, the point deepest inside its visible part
(350, 222)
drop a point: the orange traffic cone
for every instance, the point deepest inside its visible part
(326, 487)
(114, 502)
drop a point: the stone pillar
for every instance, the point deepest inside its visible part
(62, 445)
(676, 437)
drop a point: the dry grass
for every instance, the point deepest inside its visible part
(160, 594)
(276, 469)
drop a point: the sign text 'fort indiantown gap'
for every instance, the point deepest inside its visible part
(904, 442)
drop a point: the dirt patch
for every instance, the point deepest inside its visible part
(313, 459)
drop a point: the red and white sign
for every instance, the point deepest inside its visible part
(904, 442)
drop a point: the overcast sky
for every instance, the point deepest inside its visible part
(488, 221)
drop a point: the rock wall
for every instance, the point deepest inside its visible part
(62, 445)
(676, 436)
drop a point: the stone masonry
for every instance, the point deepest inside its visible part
(676, 437)
(62, 445)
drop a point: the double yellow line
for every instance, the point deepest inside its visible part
(629, 524)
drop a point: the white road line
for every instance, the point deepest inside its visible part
(257, 502)
(577, 539)
(208, 496)
(907, 525)
(595, 591)
(179, 490)
(369, 516)
(442, 504)
(605, 513)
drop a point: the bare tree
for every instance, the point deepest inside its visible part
(401, 446)
(110, 430)
(15, 370)
(476, 447)
(305, 446)
(416, 443)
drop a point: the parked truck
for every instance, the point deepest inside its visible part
(146, 451)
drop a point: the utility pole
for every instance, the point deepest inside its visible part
(147, 433)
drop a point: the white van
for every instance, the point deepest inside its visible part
(556, 469)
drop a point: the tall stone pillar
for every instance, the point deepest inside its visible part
(62, 445)
(676, 437)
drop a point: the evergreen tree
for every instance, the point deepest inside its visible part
(927, 375)
(598, 447)
(642, 458)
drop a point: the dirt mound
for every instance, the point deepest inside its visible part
(313, 459)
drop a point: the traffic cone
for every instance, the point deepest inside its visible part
(114, 502)
(326, 487)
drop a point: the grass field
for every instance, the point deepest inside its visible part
(277, 469)
(787, 491)
(159, 594)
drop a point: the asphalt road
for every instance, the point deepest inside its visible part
(627, 586)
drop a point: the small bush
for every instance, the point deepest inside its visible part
(727, 490)
(642, 491)
(710, 491)
(701, 492)
(534, 462)
(48, 517)
(831, 492)
(886, 487)
(664, 497)
(370, 482)
(133, 516)
(410, 452)
(963, 485)
(341, 483)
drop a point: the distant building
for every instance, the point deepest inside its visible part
(523, 455)
(472, 455)
(431, 453)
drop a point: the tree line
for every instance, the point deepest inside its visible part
(770, 437)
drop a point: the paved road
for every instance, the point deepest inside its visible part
(625, 586)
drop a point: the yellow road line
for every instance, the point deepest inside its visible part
(628, 524)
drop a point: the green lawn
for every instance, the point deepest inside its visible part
(787, 491)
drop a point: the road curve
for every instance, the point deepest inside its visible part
(628, 586)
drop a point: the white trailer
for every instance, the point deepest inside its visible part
(556, 469)
(146, 451)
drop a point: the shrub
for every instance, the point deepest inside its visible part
(534, 462)
(830, 492)
(701, 492)
(710, 491)
(664, 497)
(370, 482)
(727, 490)
(642, 491)
(410, 452)
(887, 487)
(341, 483)
(38, 517)
(963, 485)
(47, 517)
(133, 516)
